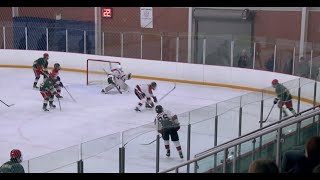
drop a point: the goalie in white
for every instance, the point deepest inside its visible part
(117, 78)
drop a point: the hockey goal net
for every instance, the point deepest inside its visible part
(97, 70)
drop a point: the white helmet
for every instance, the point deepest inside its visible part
(119, 67)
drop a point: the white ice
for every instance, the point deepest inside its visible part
(94, 115)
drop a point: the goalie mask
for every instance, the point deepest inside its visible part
(57, 66)
(153, 85)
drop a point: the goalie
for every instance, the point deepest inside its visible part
(116, 79)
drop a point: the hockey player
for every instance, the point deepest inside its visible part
(57, 82)
(40, 66)
(168, 126)
(284, 96)
(144, 93)
(13, 166)
(48, 91)
(117, 78)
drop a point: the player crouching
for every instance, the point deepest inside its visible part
(144, 92)
(116, 79)
(48, 91)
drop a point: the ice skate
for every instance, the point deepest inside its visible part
(181, 155)
(168, 153)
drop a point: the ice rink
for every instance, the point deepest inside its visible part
(36, 133)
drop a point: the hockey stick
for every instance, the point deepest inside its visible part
(151, 141)
(168, 93)
(7, 104)
(113, 82)
(69, 94)
(268, 114)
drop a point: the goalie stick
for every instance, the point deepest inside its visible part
(113, 82)
(7, 104)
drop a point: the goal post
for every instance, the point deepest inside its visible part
(96, 70)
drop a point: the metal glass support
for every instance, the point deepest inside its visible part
(4, 38)
(47, 38)
(66, 40)
(84, 42)
(278, 146)
(225, 158)
(253, 149)
(314, 97)
(177, 49)
(254, 55)
(161, 47)
(234, 161)
(293, 59)
(274, 58)
(26, 36)
(310, 68)
(157, 153)
(204, 51)
(141, 41)
(188, 145)
(103, 43)
(121, 41)
(215, 131)
(231, 55)
(240, 122)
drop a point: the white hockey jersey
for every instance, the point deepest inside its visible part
(146, 89)
(165, 120)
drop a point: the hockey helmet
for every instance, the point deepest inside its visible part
(46, 55)
(153, 85)
(119, 67)
(275, 82)
(57, 66)
(159, 109)
(16, 154)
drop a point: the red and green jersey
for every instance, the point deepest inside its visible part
(11, 167)
(41, 62)
(47, 85)
(283, 93)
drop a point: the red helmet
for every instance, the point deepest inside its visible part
(45, 55)
(15, 154)
(275, 81)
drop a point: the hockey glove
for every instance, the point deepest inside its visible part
(275, 101)
(177, 128)
(110, 80)
(155, 99)
(58, 78)
(61, 84)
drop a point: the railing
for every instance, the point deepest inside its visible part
(277, 128)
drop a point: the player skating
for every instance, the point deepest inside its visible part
(283, 97)
(168, 125)
(40, 67)
(117, 78)
(57, 81)
(48, 91)
(145, 92)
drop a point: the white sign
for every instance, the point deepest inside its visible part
(146, 17)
